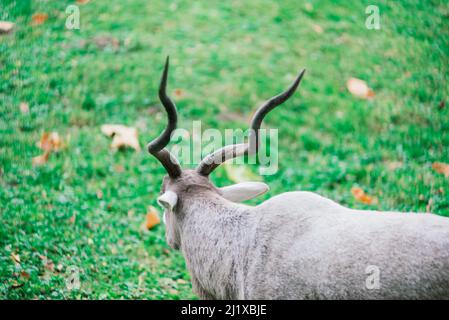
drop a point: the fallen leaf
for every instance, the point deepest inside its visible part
(24, 107)
(441, 167)
(442, 104)
(39, 18)
(240, 173)
(6, 27)
(317, 28)
(72, 219)
(50, 141)
(40, 160)
(25, 274)
(179, 93)
(359, 88)
(361, 196)
(16, 284)
(49, 265)
(152, 218)
(82, 1)
(122, 136)
(15, 257)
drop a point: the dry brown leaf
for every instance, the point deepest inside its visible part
(50, 141)
(359, 88)
(72, 219)
(49, 265)
(122, 136)
(441, 167)
(24, 274)
(152, 218)
(317, 28)
(16, 284)
(82, 1)
(361, 196)
(40, 160)
(15, 257)
(24, 107)
(6, 27)
(179, 93)
(39, 18)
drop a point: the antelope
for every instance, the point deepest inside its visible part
(296, 245)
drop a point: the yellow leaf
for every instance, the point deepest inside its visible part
(361, 196)
(122, 136)
(179, 93)
(240, 173)
(152, 218)
(441, 167)
(50, 141)
(359, 88)
(40, 160)
(15, 257)
(317, 28)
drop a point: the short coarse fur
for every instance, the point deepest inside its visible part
(299, 245)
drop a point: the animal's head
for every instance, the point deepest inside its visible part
(180, 184)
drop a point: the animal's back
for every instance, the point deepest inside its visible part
(307, 246)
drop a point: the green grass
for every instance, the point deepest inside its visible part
(227, 56)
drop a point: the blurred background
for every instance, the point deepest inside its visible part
(368, 126)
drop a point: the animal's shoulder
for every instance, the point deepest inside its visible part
(300, 201)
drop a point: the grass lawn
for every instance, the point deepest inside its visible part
(85, 207)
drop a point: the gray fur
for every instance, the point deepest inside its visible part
(299, 245)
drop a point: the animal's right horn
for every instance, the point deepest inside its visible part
(213, 160)
(157, 146)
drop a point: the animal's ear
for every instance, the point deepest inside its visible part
(168, 200)
(243, 191)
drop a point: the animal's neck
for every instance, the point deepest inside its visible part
(215, 239)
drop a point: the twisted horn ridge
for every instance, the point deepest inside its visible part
(157, 146)
(213, 160)
(266, 108)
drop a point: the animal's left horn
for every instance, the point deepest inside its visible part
(213, 160)
(157, 146)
